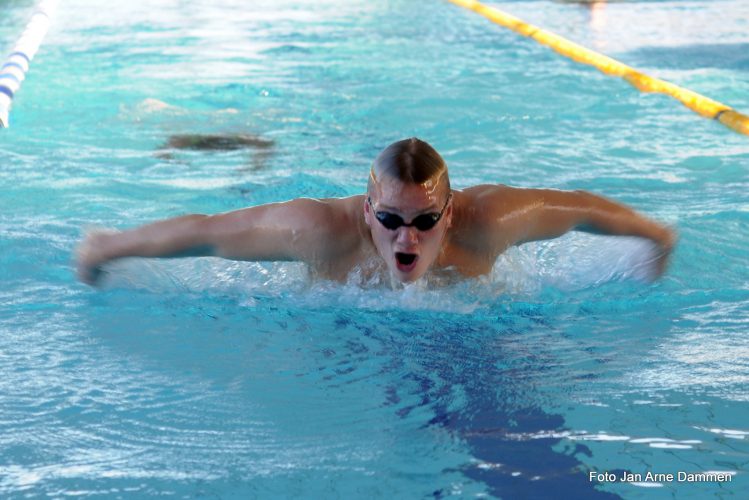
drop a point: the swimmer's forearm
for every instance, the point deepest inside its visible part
(604, 216)
(608, 217)
(550, 213)
(168, 238)
(178, 237)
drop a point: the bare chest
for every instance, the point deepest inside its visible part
(466, 261)
(361, 264)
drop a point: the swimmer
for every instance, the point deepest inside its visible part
(409, 222)
(217, 142)
(261, 148)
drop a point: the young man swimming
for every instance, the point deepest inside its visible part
(409, 222)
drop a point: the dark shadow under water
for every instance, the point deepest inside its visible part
(501, 405)
(261, 148)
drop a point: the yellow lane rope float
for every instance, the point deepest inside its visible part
(698, 103)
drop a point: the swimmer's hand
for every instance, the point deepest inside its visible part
(666, 241)
(91, 255)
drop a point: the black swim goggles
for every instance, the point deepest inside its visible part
(423, 222)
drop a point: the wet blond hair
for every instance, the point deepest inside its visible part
(410, 161)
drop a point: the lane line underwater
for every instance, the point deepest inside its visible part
(698, 103)
(16, 65)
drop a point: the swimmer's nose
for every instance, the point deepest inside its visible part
(408, 234)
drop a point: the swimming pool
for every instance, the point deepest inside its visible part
(200, 377)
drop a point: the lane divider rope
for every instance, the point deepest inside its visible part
(13, 70)
(700, 104)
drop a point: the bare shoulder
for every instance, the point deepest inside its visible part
(492, 217)
(296, 214)
(341, 213)
(489, 196)
(337, 220)
(487, 203)
(495, 203)
(301, 229)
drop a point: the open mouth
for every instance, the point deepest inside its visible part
(406, 261)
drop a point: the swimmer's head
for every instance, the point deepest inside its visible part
(411, 161)
(408, 207)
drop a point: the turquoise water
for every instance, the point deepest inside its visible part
(200, 377)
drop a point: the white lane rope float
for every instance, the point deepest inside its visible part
(13, 71)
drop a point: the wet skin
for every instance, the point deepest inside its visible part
(338, 235)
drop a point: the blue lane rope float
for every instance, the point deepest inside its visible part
(700, 104)
(16, 65)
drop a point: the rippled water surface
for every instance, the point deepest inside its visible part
(200, 377)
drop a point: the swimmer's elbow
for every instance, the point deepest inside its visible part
(238, 236)
(213, 236)
(186, 236)
(554, 213)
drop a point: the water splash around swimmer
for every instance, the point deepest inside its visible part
(575, 263)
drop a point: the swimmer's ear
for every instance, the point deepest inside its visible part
(449, 212)
(367, 212)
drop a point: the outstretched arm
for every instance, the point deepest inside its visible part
(294, 230)
(538, 214)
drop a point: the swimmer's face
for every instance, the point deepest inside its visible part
(407, 250)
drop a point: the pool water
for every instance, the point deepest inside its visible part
(201, 377)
